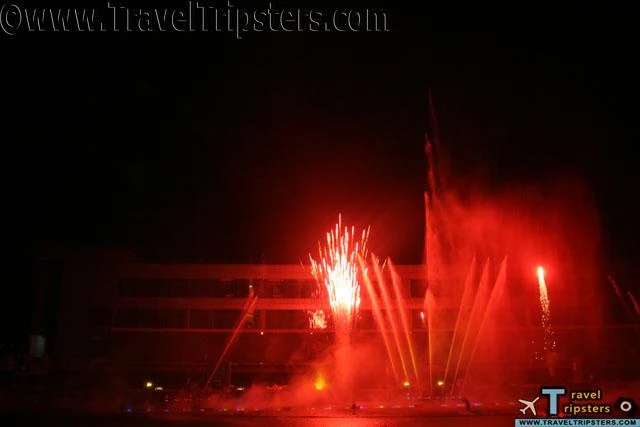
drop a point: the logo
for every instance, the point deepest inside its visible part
(564, 407)
(529, 405)
(553, 393)
(626, 405)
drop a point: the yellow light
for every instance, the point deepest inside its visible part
(148, 384)
(158, 389)
(440, 383)
(406, 383)
(540, 273)
(319, 383)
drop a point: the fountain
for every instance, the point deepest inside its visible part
(485, 325)
(474, 341)
(494, 265)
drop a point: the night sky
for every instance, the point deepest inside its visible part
(203, 148)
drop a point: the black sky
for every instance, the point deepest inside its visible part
(202, 148)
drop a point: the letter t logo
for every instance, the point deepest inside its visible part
(553, 393)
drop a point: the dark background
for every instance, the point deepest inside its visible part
(203, 148)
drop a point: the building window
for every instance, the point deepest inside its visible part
(221, 319)
(243, 287)
(291, 289)
(176, 288)
(287, 319)
(309, 289)
(181, 288)
(226, 319)
(140, 288)
(204, 288)
(202, 319)
(151, 318)
(417, 288)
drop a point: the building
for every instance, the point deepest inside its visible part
(173, 321)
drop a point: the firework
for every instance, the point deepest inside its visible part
(336, 272)
(317, 319)
(549, 342)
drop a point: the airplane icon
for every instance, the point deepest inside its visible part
(529, 405)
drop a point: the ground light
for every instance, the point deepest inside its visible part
(320, 383)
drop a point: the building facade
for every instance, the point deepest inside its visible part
(114, 314)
